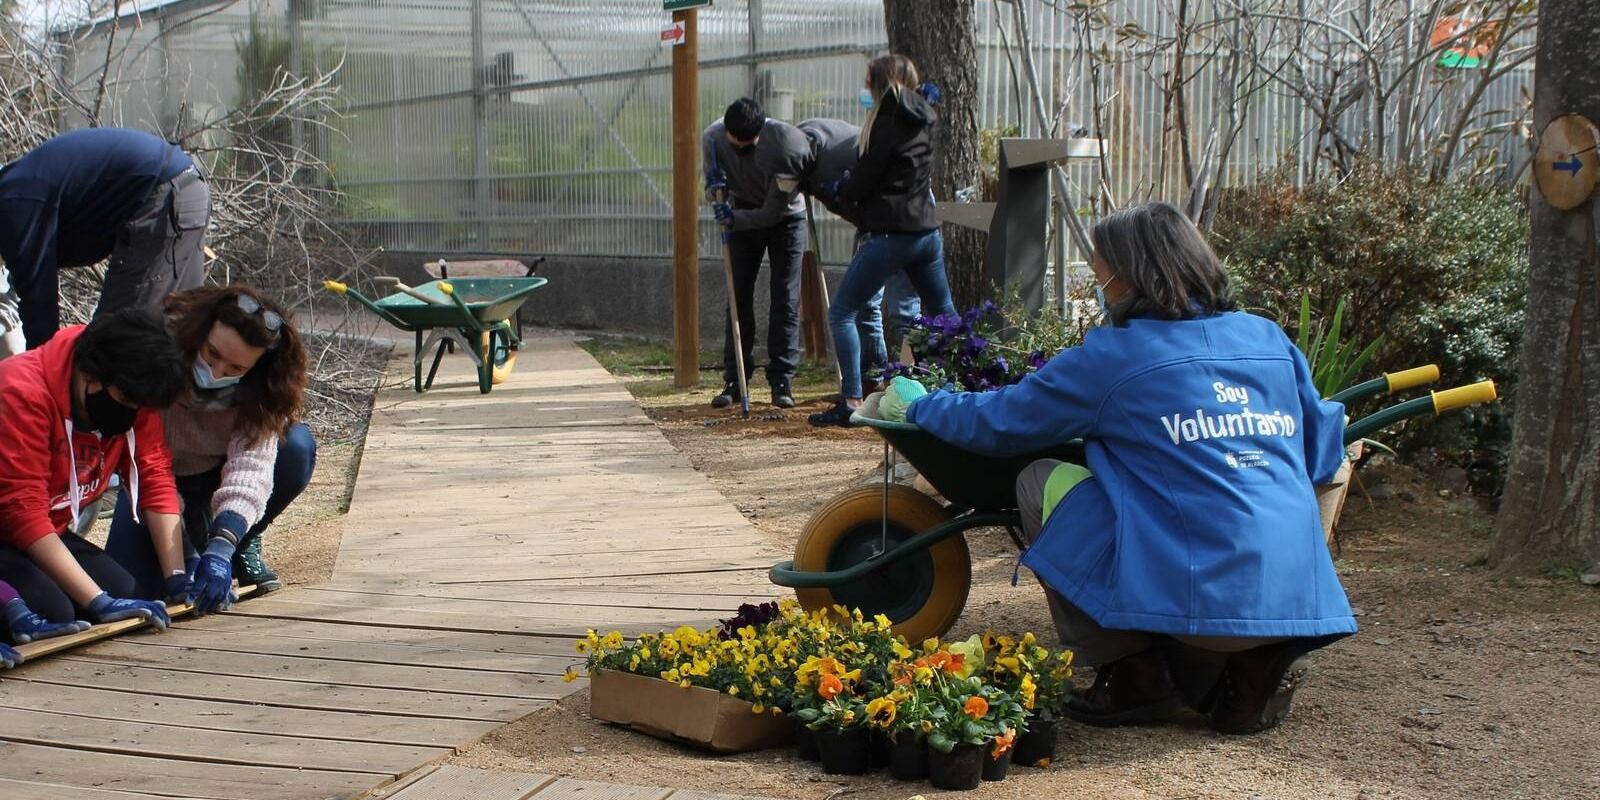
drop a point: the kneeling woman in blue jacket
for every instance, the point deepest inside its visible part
(1187, 563)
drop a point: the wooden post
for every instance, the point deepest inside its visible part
(686, 203)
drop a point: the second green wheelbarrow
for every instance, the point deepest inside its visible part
(475, 314)
(897, 551)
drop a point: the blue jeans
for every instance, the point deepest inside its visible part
(919, 255)
(877, 338)
(128, 542)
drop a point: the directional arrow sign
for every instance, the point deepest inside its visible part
(1567, 165)
(673, 35)
(1574, 166)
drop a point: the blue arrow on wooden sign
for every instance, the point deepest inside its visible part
(1573, 165)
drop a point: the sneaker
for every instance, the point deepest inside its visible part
(1135, 690)
(838, 416)
(1258, 688)
(729, 396)
(782, 396)
(251, 570)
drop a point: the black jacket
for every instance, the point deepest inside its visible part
(891, 188)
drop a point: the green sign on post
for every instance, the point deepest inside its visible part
(684, 5)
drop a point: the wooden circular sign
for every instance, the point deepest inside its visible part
(1567, 164)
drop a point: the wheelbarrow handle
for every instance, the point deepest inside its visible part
(1436, 403)
(340, 288)
(1389, 384)
(470, 322)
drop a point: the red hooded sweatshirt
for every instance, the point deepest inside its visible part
(43, 482)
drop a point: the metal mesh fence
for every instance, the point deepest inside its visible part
(544, 126)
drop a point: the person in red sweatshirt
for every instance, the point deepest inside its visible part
(82, 407)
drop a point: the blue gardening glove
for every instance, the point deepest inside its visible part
(180, 588)
(105, 608)
(833, 189)
(724, 214)
(213, 579)
(931, 93)
(27, 626)
(9, 658)
(902, 392)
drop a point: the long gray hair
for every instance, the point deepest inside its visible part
(1164, 261)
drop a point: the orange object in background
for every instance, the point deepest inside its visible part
(1468, 41)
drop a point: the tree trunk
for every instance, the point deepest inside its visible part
(940, 36)
(1550, 515)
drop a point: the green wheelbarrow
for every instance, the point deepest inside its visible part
(475, 314)
(898, 551)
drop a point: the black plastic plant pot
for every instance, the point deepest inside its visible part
(908, 757)
(960, 769)
(1037, 747)
(805, 745)
(844, 752)
(878, 750)
(995, 768)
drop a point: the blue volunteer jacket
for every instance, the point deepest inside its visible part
(1205, 438)
(64, 203)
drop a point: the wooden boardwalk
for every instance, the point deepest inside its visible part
(485, 532)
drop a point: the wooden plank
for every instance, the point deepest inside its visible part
(480, 623)
(586, 597)
(316, 671)
(29, 790)
(172, 777)
(467, 643)
(603, 578)
(460, 783)
(214, 747)
(282, 694)
(360, 652)
(36, 650)
(693, 794)
(570, 789)
(244, 717)
(479, 606)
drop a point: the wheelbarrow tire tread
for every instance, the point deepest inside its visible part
(912, 510)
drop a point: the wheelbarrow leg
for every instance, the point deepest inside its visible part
(436, 342)
(416, 363)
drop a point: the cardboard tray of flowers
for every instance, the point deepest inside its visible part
(695, 716)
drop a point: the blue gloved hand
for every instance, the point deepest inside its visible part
(724, 213)
(716, 187)
(837, 185)
(27, 626)
(213, 579)
(105, 608)
(9, 658)
(930, 92)
(180, 588)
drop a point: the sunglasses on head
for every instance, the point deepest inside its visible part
(270, 318)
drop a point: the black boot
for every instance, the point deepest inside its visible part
(1257, 689)
(782, 395)
(250, 569)
(729, 396)
(1130, 691)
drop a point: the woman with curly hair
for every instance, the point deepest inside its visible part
(238, 452)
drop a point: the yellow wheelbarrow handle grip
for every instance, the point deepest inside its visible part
(335, 287)
(444, 286)
(1412, 378)
(1463, 396)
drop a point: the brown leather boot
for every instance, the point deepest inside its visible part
(1258, 688)
(1131, 691)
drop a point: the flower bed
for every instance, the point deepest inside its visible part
(862, 694)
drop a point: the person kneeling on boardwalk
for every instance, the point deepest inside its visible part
(238, 452)
(84, 406)
(24, 626)
(1187, 562)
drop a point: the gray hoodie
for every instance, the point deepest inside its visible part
(833, 153)
(764, 184)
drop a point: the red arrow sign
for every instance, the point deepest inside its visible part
(672, 35)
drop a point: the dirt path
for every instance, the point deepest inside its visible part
(1460, 685)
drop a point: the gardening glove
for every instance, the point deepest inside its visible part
(724, 214)
(9, 658)
(931, 93)
(902, 392)
(27, 626)
(716, 187)
(180, 588)
(105, 608)
(213, 579)
(832, 190)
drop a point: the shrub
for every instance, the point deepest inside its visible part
(1438, 270)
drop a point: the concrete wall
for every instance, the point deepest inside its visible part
(632, 296)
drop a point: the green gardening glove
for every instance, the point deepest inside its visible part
(901, 393)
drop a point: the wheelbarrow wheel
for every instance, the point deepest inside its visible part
(496, 350)
(922, 594)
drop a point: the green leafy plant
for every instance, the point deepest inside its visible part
(1335, 363)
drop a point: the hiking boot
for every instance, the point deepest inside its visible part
(838, 416)
(250, 569)
(1130, 691)
(782, 395)
(729, 396)
(1258, 688)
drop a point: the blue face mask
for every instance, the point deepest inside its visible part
(1100, 297)
(205, 379)
(867, 99)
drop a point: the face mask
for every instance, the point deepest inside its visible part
(109, 417)
(206, 379)
(1100, 297)
(867, 99)
(744, 149)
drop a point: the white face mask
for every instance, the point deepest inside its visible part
(206, 379)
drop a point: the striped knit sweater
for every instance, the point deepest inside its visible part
(201, 438)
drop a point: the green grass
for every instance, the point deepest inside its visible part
(645, 367)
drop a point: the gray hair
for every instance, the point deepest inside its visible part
(1169, 269)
